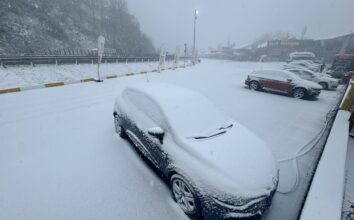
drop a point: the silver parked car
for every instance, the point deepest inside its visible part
(216, 167)
(325, 81)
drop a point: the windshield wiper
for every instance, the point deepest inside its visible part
(210, 136)
(226, 127)
(222, 130)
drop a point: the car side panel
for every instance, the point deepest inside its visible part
(155, 148)
(138, 133)
(276, 84)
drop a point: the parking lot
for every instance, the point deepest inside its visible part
(61, 159)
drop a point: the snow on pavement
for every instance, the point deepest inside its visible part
(60, 157)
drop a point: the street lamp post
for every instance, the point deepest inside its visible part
(195, 23)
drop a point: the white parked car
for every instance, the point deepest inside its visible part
(303, 64)
(301, 56)
(217, 168)
(325, 81)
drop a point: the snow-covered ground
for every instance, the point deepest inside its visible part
(23, 76)
(60, 157)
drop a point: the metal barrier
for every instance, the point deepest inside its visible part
(57, 60)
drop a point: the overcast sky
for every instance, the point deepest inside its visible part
(170, 22)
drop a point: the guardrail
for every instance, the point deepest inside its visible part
(58, 60)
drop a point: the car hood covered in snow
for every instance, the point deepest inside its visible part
(308, 84)
(239, 157)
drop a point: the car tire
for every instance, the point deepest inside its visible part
(254, 85)
(185, 196)
(299, 93)
(324, 85)
(118, 127)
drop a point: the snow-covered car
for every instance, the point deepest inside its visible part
(216, 167)
(323, 80)
(282, 81)
(303, 64)
(301, 56)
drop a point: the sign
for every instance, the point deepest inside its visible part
(100, 51)
(176, 58)
(162, 60)
(101, 41)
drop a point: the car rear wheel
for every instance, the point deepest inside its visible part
(185, 196)
(119, 129)
(299, 93)
(254, 85)
(324, 85)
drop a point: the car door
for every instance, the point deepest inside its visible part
(150, 116)
(278, 81)
(267, 80)
(285, 82)
(306, 75)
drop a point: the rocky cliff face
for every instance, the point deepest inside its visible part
(33, 26)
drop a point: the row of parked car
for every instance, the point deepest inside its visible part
(299, 78)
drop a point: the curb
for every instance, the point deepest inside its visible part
(58, 84)
(12, 90)
(325, 197)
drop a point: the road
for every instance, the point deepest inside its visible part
(60, 157)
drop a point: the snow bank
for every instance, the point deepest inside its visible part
(24, 76)
(324, 200)
(349, 183)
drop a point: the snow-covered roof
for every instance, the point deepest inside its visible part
(187, 112)
(302, 54)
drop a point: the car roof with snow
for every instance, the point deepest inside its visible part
(301, 69)
(185, 110)
(261, 72)
(302, 54)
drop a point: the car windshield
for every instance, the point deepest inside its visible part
(195, 117)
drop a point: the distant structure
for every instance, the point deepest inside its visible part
(279, 50)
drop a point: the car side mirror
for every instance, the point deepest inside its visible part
(157, 132)
(289, 80)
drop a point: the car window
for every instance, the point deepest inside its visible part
(280, 74)
(147, 107)
(262, 73)
(304, 74)
(268, 73)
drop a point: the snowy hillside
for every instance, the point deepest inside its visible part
(32, 26)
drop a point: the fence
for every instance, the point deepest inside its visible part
(69, 59)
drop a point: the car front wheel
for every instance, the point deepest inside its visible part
(119, 129)
(254, 85)
(185, 196)
(299, 93)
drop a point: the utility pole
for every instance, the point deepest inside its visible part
(185, 54)
(195, 23)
